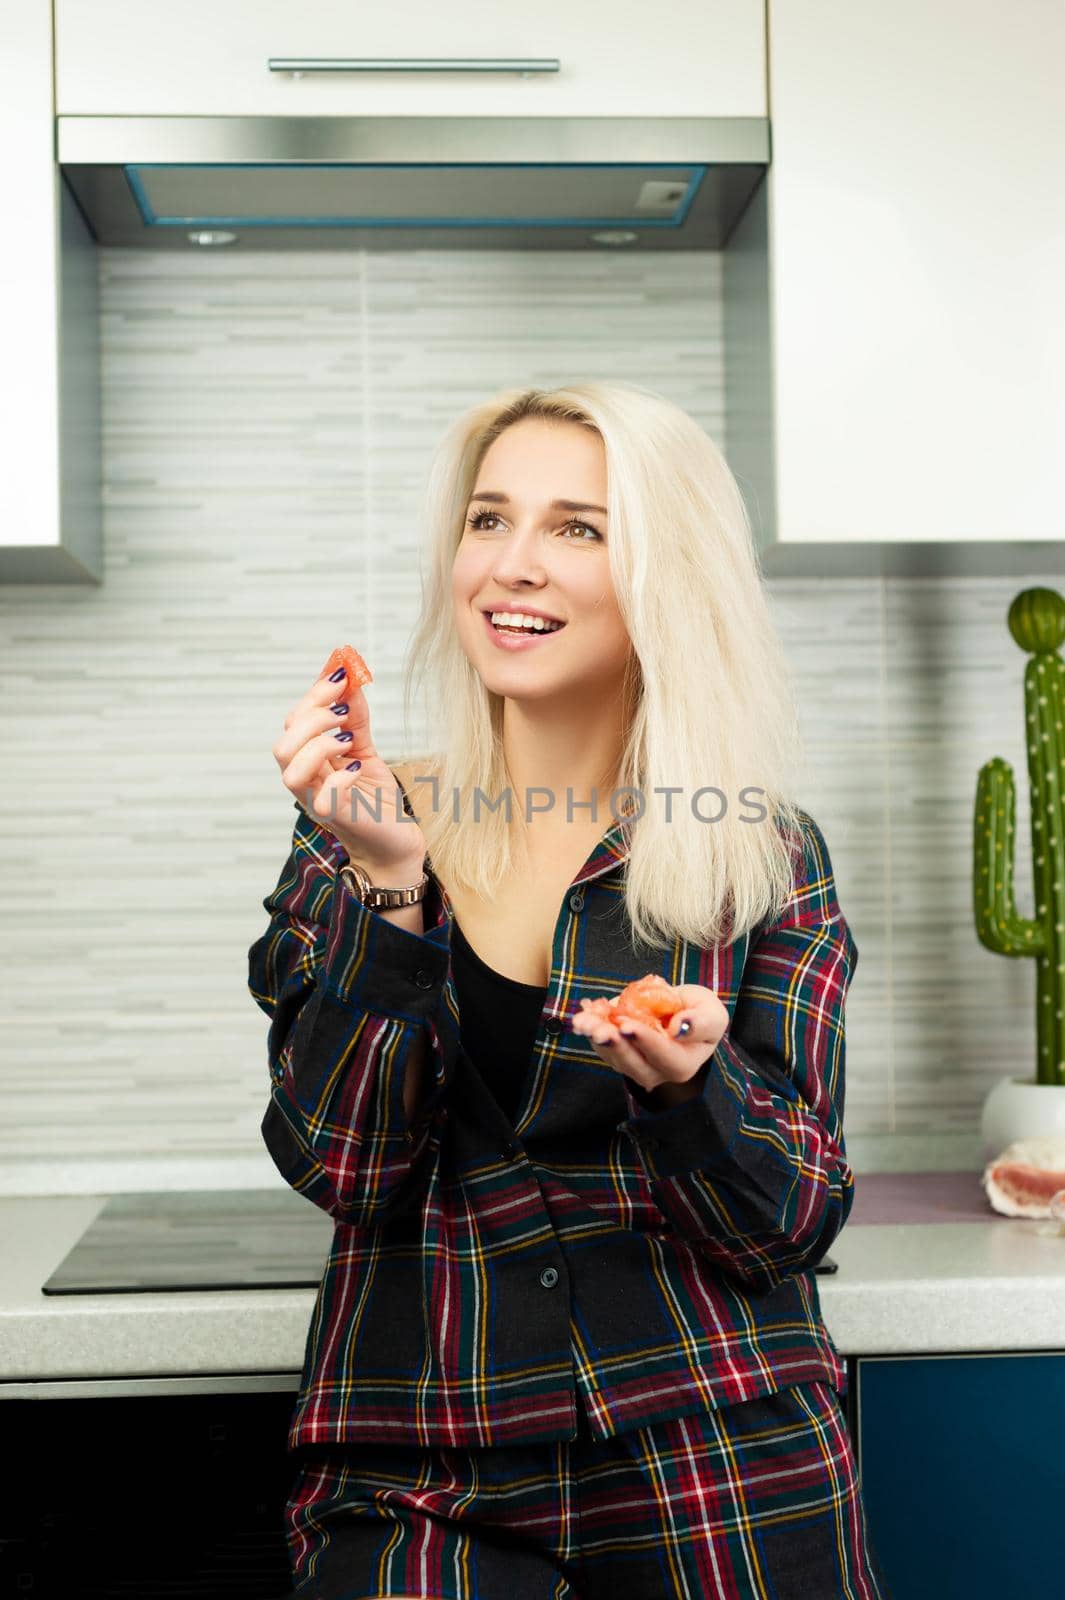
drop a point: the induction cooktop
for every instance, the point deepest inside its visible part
(200, 1239)
(204, 1239)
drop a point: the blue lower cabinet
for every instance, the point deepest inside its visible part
(962, 1462)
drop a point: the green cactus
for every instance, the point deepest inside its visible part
(1037, 622)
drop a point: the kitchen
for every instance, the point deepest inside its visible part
(835, 237)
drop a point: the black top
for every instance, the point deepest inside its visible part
(499, 1017)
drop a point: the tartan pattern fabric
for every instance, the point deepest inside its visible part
(491, 1281)
(760, 1499)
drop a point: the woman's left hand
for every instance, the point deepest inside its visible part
(651, 1058)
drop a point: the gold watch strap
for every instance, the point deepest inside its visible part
(377, 897)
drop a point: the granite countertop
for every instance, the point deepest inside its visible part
(924, 1265)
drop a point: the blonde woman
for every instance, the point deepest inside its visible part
(568, 1340)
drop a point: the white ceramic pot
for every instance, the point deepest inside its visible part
(1020, 1108)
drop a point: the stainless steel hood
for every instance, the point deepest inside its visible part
(394, 183)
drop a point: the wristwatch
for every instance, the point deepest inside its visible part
(376, 898)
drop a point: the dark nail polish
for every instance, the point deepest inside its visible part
(607, 1044)
(627, 1033)
(335, 677)
(684, 1028)
(353, 766)
(344, 738)
(339, 708)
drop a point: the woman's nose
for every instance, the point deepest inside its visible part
(520, 556)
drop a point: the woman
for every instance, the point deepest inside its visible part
(568, 1340)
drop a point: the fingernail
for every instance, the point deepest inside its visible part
(335, 677)
(627, 1033)
(344, 737)
(684, 1028)
(339, 708)
(353, 766)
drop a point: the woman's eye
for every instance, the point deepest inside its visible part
(479, 518)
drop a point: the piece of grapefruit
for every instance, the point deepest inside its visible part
(348, 657)
(1027, 1177)
(650, 1000)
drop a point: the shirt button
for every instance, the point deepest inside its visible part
(576, 900)
(553, 1025)
(549, 1277)
(510, 1151)
(423, 979)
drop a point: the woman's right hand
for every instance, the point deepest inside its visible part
(314, 767)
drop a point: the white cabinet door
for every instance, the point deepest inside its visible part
(916, 234)
(49, 375)
(209, 58)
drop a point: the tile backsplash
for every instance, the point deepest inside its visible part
(268, 420)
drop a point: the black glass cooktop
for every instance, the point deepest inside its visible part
(200, 1239)
(204, 1239)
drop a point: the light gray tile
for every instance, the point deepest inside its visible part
(953, 668)
(268, 422)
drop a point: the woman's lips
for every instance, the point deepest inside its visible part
(517, 641)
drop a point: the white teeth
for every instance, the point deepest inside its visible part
(518, 619)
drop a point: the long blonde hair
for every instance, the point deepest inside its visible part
(710, 693)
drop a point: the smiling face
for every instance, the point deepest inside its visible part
(518, 550)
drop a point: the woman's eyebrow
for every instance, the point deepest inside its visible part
(553, 505)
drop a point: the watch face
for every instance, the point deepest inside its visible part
(355, 880)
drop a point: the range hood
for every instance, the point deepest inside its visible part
(393, 183)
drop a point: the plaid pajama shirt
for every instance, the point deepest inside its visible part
(597, 1266)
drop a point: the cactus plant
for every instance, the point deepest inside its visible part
(1036, 620)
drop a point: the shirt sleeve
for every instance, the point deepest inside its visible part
(348, 994)
(753, 1170)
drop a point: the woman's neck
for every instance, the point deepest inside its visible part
(563, 769)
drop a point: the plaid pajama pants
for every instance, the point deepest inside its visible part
(759, 1499)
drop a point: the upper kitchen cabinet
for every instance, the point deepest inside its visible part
(467, 126)
(895, 291)
(49, 377)
(200, 58)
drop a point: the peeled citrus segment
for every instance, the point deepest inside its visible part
(653, 995)
(348, 657)
(650, 1000)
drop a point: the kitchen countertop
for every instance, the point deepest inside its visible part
(903, 1288)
